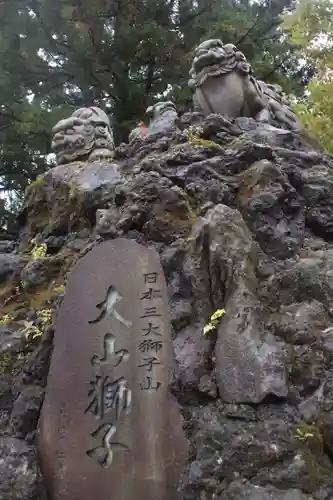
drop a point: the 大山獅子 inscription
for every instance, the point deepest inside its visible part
(107, 394)
(108, 422)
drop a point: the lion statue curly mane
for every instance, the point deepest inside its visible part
(85, 135)
(223, 83)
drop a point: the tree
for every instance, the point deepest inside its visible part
(311, 27)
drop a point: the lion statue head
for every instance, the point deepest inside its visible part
(212, 58)
(155, 111)
(86, 135)
(162, 117)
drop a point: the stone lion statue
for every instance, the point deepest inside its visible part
(223, 83)
(162, 116)
(86, 135)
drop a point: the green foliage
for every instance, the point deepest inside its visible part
(311, 27)
(308, 433)
(193, 134)
(32, 330)
(5, 319)
(316, 112)
(308, 21)
(39, 251)
(213, 321)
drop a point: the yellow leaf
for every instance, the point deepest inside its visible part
(208, 328)
(217, 314)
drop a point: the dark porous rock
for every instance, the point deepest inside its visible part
(244, 490)
(66, 197)
(190, 119)
(325, 412)
(274, 454)
(301, 279)
(211, 270)
(77, 241)
(35, 370)
(7, 246)
(218, 126)
(301, 323)
(54, 243)
(149, 203)
(6, 401)
(40, 271)
(26, 409)
(308, 368)
(249, 365)
(209, 189)
(316, 186)
(106, 221)
(20, 478)
(226, 450)
(272, 209)
(9, 265)
(10, 340)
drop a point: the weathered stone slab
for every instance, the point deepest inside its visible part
(109, 429)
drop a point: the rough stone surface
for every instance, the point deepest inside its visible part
(8, 265)
(25, 412)
(128, 348)
(241, 216)
(239, 490)
(20, 478)
(272, 209)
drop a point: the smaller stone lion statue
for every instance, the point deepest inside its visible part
(85, 136)
(162, 116)
(223, 83)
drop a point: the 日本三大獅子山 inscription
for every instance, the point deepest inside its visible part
(109, 427)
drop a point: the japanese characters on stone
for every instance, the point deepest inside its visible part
(106, 394)
(150, 343)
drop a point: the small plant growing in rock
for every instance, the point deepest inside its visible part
(31, 330)
(5, 319)
(45, 316)
(303, 435)
(38, 251)
(194, 133)
(213, 321)
(6, 362)
(308, 433)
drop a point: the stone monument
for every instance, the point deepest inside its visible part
(109, 428)
(86, 135)
(223, 83)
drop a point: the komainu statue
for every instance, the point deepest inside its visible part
(85, 136)
(162, 116)
(223, 83)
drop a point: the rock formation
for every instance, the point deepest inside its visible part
(86, 135)
(223, 83)
(241, 213)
